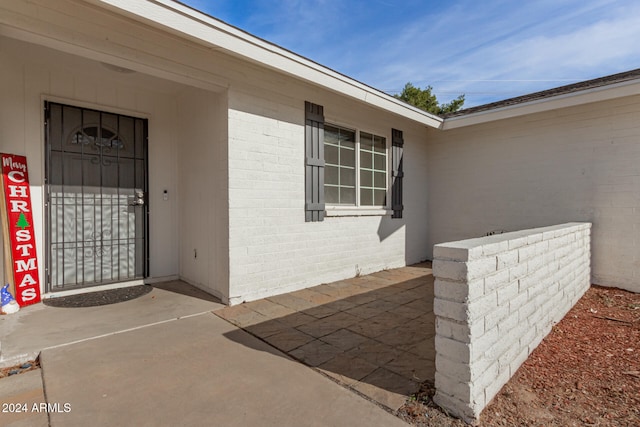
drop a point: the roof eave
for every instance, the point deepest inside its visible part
(601, 93)
(182, 19)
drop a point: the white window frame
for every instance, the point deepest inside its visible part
(358, 210)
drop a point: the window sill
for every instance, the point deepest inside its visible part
(354, 211)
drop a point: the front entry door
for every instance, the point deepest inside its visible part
(96, 188)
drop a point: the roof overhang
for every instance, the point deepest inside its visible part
(201, 30)
(602, 93)
(198, 27)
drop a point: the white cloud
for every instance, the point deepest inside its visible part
(455, 47)
(566, 47)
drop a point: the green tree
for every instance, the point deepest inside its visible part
(22, 222)
(427, 101)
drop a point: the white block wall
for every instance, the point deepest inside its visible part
(203, 196)
(272, 249)
(496, 298)
(573, 164)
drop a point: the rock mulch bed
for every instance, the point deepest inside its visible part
(20, 368)
(585, 372)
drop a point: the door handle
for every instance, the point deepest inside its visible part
(138, 199)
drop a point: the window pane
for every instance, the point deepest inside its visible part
(379, 197)
(347, 157)
(366, 160)
(339, 136)
(366, 141)
(340, 158)
(331, 154)
(366, 197)
(347, 196)
(366, 178)
(331, 175)
(373, 172)
(347, 138)
(331, 194)
(380, 144)
(331, 135)
(348, 177)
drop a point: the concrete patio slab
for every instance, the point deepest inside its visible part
(195, 371)
(36, 327)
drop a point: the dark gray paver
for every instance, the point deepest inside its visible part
(372, 333)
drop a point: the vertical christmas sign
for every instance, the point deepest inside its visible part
(20, 239)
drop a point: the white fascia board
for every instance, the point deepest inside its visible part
(167, 14)
(602, 93)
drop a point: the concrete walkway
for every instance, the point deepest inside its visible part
(189, 373)
(24, 390)
(373, 334)
(160, 360)
(25, 334)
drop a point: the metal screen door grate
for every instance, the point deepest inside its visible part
(96, 183)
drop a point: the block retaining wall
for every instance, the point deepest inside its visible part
(496, 298)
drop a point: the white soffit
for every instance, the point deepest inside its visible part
(24, 21)
(602, 93)
(168, 14)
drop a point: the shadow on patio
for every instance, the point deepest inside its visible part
(373, 334)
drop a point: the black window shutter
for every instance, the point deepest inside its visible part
(314, 162)
(397, 144)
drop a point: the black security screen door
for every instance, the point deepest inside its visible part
(96, 187)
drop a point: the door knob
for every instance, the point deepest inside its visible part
(138, 199)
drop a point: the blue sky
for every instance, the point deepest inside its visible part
(488, 50)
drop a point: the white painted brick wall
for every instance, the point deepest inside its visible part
(579, 163)
(496, 299)
(272, 249)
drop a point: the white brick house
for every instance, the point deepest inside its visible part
(111, 98)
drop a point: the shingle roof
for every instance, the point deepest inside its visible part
(575, 87)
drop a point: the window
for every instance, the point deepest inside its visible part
(373, 170)
(355, 168)
(340, 166)
(349, 170)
